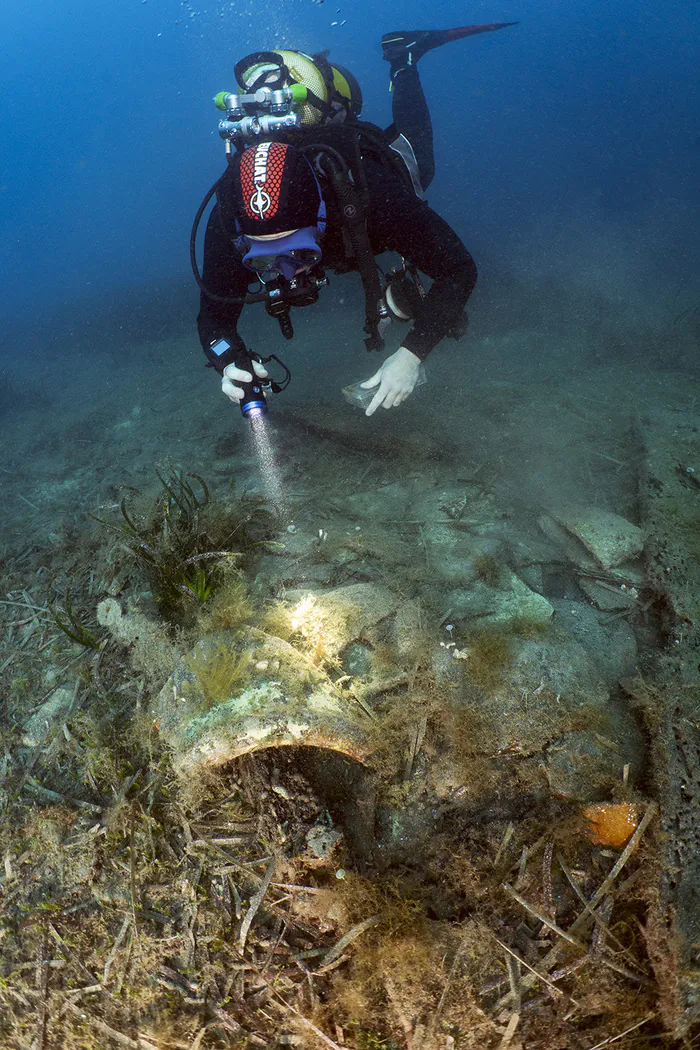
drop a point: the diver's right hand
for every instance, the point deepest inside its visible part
(233, 375)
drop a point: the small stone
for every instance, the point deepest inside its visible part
(322, 840)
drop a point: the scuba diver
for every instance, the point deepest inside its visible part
(309, 186)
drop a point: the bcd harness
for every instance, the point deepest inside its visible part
(336, 153)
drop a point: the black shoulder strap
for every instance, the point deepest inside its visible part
(226, 197)
(351, 195)
(324, 67)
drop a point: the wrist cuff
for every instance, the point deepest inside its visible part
(219, 360)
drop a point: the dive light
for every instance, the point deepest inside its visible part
(253, 404)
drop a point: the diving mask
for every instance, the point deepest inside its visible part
(285, 256)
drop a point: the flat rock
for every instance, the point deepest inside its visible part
(388, 502)
(610, 538)
(607, 596)
(499, 606)
(551, 689)
(572, 548)
(612, 647)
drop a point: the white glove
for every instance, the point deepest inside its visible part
(233, 375)
(396, 379)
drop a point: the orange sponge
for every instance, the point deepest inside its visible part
(611, 823)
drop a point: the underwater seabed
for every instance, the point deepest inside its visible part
(414, 765)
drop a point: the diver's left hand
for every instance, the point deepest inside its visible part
(396, 379)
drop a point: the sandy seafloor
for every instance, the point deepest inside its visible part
(540, 398)
(545, 404)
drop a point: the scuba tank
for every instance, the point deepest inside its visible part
(331, 90)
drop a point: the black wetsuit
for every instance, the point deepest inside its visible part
(397, 220)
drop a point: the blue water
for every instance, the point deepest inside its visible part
(582, 113)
